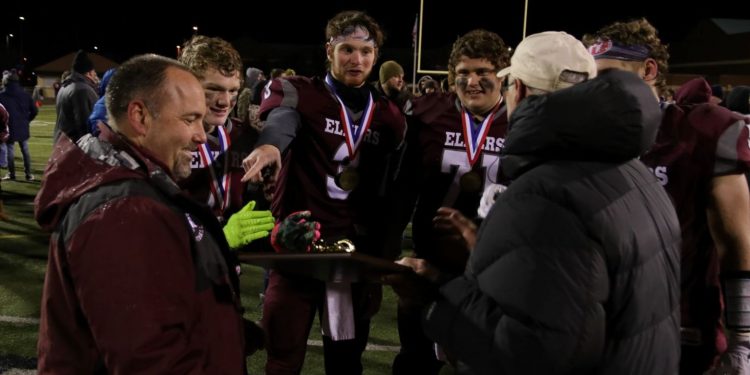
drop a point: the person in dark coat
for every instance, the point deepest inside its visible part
(76, 98)
(576, 267)
(21, 111)
(139, 279)
(3, 139)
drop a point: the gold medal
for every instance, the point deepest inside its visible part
(348, 179)
(471, 182)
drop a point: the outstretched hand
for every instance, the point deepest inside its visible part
(453, 222)
(247, 225)
(263, 158)
(415, 290)
(296, 233)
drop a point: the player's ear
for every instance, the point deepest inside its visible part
(329, 52)
(650, 70)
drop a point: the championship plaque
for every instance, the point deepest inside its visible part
(471, 182)
(328, 266)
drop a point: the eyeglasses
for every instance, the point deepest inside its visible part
(508, 83)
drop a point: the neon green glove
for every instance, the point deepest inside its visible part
(247, 225)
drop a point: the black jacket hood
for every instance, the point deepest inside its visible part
(612, 118)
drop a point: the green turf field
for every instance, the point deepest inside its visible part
(23, 258)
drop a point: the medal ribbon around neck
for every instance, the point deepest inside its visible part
(354, 134)
(474, 139)
(219, 184)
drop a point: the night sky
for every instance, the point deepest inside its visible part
(133, 27)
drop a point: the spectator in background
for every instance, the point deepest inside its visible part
(37, 96)
(21, 110)
(288, 73)
(244, 99)
(391, 83)
(430, 87)
(76, 98)
(447, 85)
(3, 138)
(99, 113)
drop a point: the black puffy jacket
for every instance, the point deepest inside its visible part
(576, 268)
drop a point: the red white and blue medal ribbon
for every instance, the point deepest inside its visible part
(219, 184)
(353, 132)
(474, 136)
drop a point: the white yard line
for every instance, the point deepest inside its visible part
(369, 348)
(18, 320)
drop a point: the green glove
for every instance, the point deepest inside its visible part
(247, 225)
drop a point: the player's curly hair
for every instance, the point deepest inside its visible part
(638, 32)
(201, 53)
(478, 44)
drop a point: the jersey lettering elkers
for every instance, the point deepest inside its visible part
(439, 159)
(696, 143)
(319, 153)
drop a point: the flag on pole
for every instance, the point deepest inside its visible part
(414, 32)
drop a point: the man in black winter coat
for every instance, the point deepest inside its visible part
(576, 267)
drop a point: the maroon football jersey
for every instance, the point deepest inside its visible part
(319, 152)
(242, 140)
(695, 143)
(438, 165)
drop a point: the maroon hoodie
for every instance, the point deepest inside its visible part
(138, 280)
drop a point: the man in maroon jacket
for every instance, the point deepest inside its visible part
(138, 280)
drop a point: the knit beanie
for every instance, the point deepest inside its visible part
(251, 76)
(81, 63)
(390, 69)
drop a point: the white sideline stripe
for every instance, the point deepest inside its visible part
(18, 371)
(370, 347)
(18, 320)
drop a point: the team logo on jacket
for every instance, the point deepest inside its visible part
(197, 229)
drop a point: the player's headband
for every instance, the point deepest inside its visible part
(352, 32)
(609, 49)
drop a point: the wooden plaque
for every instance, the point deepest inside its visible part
(334, 267)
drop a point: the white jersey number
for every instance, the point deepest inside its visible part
(334, 191)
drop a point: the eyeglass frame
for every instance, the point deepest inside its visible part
(507, 83)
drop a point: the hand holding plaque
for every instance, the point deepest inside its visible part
(295, 234)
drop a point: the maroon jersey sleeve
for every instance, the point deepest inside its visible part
(281, 92)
